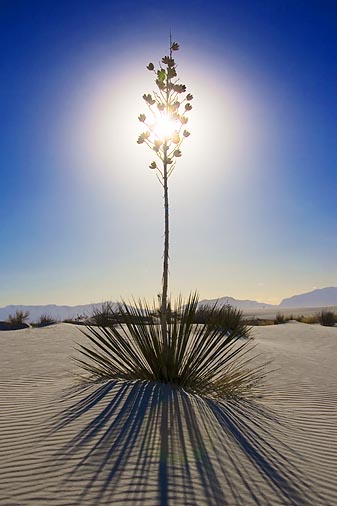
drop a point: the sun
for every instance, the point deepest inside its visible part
(164, 127)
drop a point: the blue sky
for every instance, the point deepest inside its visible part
(253, 199)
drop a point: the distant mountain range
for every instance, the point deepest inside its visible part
(317, 298)
(242, 304)
(59, 313)
(321, 297)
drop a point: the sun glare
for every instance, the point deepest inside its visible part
(164, 127)
(99, 130)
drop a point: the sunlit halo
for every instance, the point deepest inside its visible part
(99, 127)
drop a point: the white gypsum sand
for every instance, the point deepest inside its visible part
(270, 313)
(136, 443)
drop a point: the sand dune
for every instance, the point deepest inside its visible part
(136, 443)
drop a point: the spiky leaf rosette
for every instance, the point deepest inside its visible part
(207, 358)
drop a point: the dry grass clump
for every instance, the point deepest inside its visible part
(280, 319)
(208, 358)
(19, 318)
(309, 319)
(104, 316)
(44, 321)
(226, 317)
(107, 316)
(327, 318)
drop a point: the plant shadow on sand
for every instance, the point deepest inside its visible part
(149, 443)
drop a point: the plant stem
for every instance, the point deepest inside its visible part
(166, 258)
(166, 231)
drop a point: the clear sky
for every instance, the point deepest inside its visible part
(254, 197)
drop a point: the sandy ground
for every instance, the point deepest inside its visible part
(129, 444)
(270, 313)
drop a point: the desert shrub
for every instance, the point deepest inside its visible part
(225, 317)
(327, 318)
(309, 319)
(104, 315)
(206, 358)
(107, 316)
(19, 318)
(279, 319)
(43, 321)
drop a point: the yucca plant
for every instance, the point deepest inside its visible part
(203, 358)
(165, 131)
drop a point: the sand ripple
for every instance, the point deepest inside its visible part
(136, 443)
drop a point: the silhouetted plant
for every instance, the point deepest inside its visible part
(327, 318)
(224, 317)
(108, 316)
(165, 131)
(104, 316)
(18, 318)
(280, 318)
(204, 358)
(44, 320)
(199, 352)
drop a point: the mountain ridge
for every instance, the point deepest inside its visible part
(315, 298)
(240, 303)
(320, 297)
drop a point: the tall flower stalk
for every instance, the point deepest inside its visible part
(165, 132)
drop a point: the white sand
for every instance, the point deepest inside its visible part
(136, 444)
(271, 312)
